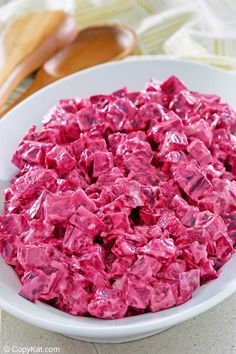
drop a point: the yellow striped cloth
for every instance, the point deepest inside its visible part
(201, 30)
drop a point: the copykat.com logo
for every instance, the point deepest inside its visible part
(31, 349)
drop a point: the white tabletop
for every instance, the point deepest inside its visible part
(213, 332)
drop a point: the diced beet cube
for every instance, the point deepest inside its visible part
(162, 297)
(121, 114)
(87, 221)
(13, 223)
(137, 293)
(123, 248)
(102, 163)
(34, 283)
(119, 266)
(142, 268)
(87, 117)
(107, 303)
(80, 198)
(120, 221)
(33, 256)
(151, 112)
(188, 283)
(184, 103)
(173, 141)
(30, 152)
(198, 151)
(172, 86)
(92, 257)
(191, 180)
(171, 122)
(60, 159)
(54, 207)
(76, 240)
(200, 130)
(162, 249)
(76, 299)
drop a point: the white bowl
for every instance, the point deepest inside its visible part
(103, 79)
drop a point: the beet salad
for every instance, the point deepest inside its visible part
(123, 203)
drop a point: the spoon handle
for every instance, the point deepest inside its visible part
(41, 80)
(28, 42)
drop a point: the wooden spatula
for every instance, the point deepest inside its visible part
(93, 45)
(28, 42)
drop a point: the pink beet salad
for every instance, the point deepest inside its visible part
(124, 203)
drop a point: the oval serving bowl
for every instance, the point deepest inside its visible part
(105, 78)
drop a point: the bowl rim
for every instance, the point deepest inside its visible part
(105, 328)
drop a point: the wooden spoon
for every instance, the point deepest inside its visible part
(28, 42)
(93, 45)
